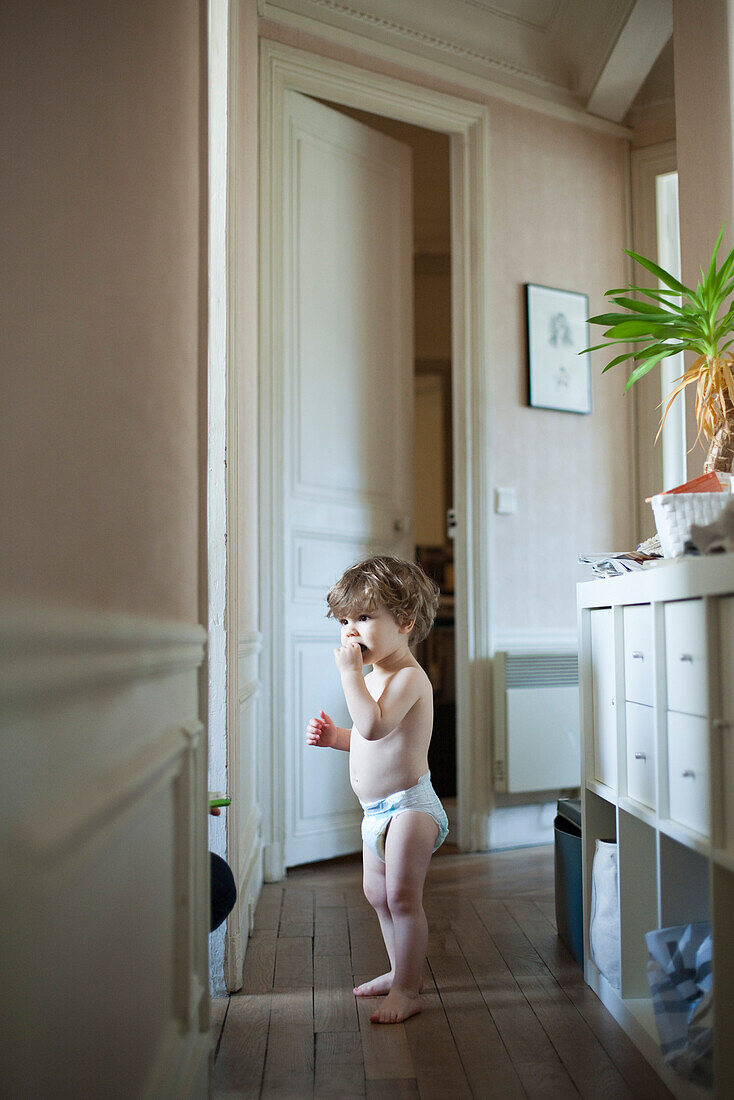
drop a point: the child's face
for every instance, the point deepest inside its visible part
(377, 632)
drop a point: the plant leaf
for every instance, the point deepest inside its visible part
(607, 319)
(712, 266)
(724, 273)
(666, 298)
(607, 345)
(641, 370)
(636, 306)
(659, 273)
(637, 328)
(618, 359)
(664, 349)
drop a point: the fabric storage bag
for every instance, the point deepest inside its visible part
(680, 975)
(604, 937)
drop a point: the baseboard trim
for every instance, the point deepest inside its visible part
(273, 862)
(520, 826)
(182, 1069)
(249, 883)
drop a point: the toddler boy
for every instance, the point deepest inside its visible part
(383, 604)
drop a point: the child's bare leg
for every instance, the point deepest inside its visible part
(373, 880)
(408, 851)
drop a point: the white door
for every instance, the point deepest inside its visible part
(345, 446)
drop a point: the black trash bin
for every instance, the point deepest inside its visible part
(569, 894)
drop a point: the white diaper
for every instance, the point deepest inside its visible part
(378, 815)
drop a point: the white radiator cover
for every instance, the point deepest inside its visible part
(536, 734)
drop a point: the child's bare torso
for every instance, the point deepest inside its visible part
(396, 761)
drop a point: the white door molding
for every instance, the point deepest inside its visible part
(646, 165)
(282, 69)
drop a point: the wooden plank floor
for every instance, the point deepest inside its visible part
(506, 1011)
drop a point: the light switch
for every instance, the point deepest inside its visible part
(505, 502)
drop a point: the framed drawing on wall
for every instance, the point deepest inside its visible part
(558, 377)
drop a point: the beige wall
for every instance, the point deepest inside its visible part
(102, 370)
(704, 58)
(559, 219)
(101, 277)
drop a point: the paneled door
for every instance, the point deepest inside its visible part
(345, 429)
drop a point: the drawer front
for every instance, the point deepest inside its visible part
(686, 657)
(726, 656)
(726, 681)
(641, 753)
(638, 655)
(605, 713)
(688, 771)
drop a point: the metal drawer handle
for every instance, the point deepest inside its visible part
(638, 655)
(688, 774)
(640, 756)
(687, 657)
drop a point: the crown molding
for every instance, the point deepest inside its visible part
(422, 40)
(545, 97)
(491, 9)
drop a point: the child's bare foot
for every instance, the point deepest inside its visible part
(378, 987)
(396, 1007)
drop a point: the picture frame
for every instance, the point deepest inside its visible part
(557, 330)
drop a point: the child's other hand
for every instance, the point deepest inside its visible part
(348, 657)
(321, 731)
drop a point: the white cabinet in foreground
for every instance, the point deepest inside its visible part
(656, 680)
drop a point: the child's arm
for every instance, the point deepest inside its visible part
(374, 718)
(322, 733)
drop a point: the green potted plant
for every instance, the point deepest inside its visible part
(675, 319)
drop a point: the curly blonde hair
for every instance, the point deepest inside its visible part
(400, 586)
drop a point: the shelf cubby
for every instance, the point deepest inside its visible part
(685, 884)
(723, 895)
(638, 900)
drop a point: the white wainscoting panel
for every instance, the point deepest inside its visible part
(104, 871)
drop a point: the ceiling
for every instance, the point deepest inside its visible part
(590, 54)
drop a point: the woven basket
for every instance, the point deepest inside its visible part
(675, 512)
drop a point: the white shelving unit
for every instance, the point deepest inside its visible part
(656, 677)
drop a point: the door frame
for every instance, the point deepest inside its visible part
(284, 68)
(646, 165)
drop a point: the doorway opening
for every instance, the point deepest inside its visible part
(292, 565)
(433, 460)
